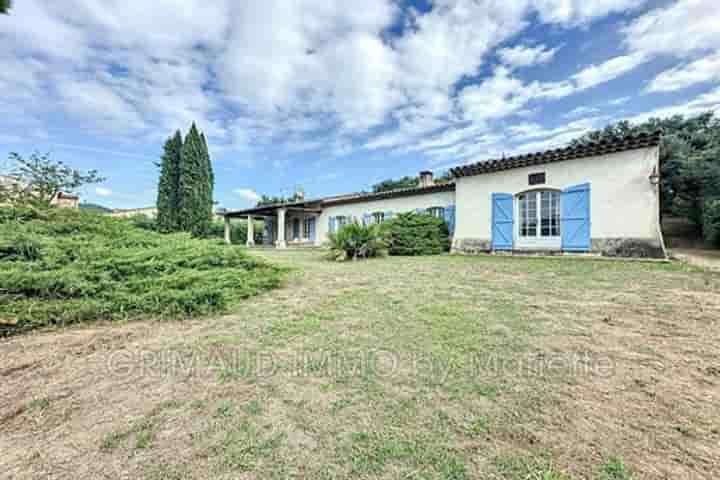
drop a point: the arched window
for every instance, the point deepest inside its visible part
(539, 214)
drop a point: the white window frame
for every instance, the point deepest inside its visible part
(306, 227)
(438, 212)
(553, 241)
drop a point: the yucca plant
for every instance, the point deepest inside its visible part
(355, 241)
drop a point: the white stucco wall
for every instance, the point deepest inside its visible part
(395, 205)
(623, 203)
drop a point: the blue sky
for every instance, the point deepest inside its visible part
(334, 97)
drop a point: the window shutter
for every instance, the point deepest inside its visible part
(575, 218)
(450, 218)
(389, 215)
(366, 219)
(331, 224)
(419, 211)
(502, 221)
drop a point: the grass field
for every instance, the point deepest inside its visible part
(430, 367)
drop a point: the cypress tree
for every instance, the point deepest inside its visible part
(194, 185)
(168, 198)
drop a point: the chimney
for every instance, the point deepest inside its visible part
(426, 179)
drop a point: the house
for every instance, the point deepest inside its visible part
(16, 186)
(598, 198)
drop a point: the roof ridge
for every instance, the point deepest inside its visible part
(570, 152)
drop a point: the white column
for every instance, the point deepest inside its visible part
(281, 229)
(250, 232)
(228, 236)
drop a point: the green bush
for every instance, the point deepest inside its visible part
(60, 266)
(711, 222)
(217, 229)
(238, 231)
(417, 234)
(355, 241)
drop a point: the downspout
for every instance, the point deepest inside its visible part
(658, 222)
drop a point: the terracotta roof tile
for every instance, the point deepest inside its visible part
(603, 147)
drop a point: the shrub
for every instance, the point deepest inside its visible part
(355, 241)
(711, 222)
(238, 231)
(60, 266)
(417, 234)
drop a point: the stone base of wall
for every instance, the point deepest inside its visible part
(470, 246)
(628, 247)
(608, 247)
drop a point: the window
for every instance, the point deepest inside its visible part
(536, 178)
(438, 212)
(296, 228)
(308, 227)
(539, 214)
(378, 217)
(341, 221)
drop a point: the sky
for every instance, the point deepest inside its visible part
(335, 96)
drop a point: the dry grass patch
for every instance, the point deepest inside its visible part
(430, 368)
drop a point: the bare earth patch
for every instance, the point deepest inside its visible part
(435, 367)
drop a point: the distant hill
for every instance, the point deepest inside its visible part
(94, 207)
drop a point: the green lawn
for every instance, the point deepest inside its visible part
(433, 367)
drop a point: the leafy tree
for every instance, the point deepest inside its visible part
(168, 200)
(42, 178)
(683, 139)
(272, 200)
(406, 182)
(689, 163)
(5, 6)
(195, 185)
(391, 184)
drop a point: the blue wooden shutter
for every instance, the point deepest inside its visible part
(366, 219)
(449, 214)
(502, 221)
(419, 211)
(575, 218)
(389, 215)
(331, 224)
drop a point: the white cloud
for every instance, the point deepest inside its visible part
(682, 76)
(247, 194)
(709, 101)
(576, 12)
(682, 27)
(619, 101)
(581, 111)
(608, 70)
(103, 192)
(496, 97)
(525, 56)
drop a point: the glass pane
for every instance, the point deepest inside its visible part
(532, 215)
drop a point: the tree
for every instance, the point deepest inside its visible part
(5, 6)
(168, 199)
(272, 200)
(390, 184)
(42, 178)
(684, 140)
(195, 185)
(689, 164)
